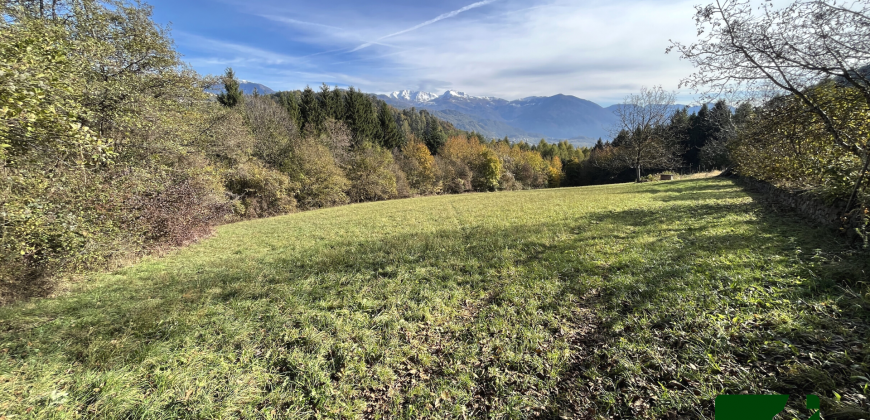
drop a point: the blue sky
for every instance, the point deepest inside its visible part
(596, 50)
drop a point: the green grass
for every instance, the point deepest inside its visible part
(614, 301)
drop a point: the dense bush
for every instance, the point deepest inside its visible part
(182, 212)
(488, 169)
(419, 168)
(530, 169)
(96, 129)
(453, 175)
(370, 174)
(261, 191)
(507, 182)
(272, 130)
(790, 148)
(110, 145)
(321, 181)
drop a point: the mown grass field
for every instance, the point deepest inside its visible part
(615, 301)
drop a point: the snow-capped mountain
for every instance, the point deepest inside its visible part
(554, 117)
(413, 96)
(420, 96)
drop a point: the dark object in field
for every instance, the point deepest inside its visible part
(665, 177)
(749, 406)
(726, 173)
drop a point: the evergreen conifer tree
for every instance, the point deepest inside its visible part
(290, 103)
(434, 136)
(331, 102)
(312, 114)
(391, 136)
(699, 131)
(337, 102)
(361, 117)
(232, 94)
(325, 101)
(599, 145)
(720, 117)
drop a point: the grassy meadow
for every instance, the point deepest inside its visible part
(618, 301)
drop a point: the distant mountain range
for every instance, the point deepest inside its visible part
(557, 117)
(247, 88)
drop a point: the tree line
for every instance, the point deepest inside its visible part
(111, 146)
(369, 118)
(801, 76)
(803, 68)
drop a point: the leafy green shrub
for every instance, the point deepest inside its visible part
(261, 191)
(321, 182)
(370, 174)
(60, 221)
(77, 218)
(40, 119)
(488, 171)
(419, 167)
(784, 145)
(97, 117)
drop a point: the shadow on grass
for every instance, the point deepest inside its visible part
(783, 316)
(660, 311)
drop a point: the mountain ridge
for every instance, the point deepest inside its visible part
(246, 87)
(556, 117)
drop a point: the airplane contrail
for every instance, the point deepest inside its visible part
(426, 23)
(298, 22)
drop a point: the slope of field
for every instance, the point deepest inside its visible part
(624, 300)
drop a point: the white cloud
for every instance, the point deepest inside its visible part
(242, 53)
(597, 51)
(427, 23)
(594, 49)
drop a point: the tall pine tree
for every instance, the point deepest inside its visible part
(312, 114)
(337, 103)
(391, 136)
(361, 117)
(699, 131)
(325, 101)
(289, 101)
(232, 94)
(434, 136)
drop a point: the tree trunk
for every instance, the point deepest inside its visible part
(858, 184)
(638, 174)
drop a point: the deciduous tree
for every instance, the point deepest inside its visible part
(773, 52)
(646, 141)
